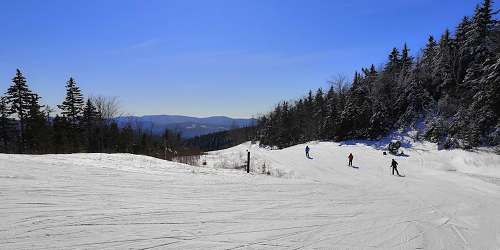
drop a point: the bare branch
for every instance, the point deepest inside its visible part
(108, 107)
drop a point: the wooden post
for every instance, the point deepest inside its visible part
(165, 144)
(248, 162)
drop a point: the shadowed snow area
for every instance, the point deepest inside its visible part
(448, 200)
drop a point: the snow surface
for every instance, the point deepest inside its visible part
(448, 200)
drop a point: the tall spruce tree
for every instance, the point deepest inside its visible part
(319, 113)
(36, 136)
(393, 66)
(406, 59)
(72, 109)
(19, 97)
(89, 124)
(72, 106)
(461, 52)
(6, 126)
(443, 66)
(330, 123)
(429, 53)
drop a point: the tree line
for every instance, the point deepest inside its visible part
(83, 125)
(451, 90)
(222, 140)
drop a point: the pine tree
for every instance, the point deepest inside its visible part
(309, 130)
(478, 41)
(393, 66)
(18, 97)
(72, 106)
(90, 114)
(478, 44)
(355, 118)
(406, 59)
(286, 124)
(6, 126)
(60, 136)
(443, 67)
(414, 98)
(319, 113)
(429, 54)
(72, 109)
(482, 117)
(88, 124)
(461, 51)
(330, 123)
(36, 135)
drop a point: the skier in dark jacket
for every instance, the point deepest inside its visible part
(350, 159)
(307, 152)
(394, 166)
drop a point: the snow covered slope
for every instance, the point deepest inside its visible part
(448, 200)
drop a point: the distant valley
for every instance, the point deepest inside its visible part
(188, 126)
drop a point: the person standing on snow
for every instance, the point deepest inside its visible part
(394, 166)
(307, 152)
(350, 159)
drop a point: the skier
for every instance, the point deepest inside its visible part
(307, 152)
(350, 159)
(394, 166)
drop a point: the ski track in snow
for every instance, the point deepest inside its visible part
(448, 200)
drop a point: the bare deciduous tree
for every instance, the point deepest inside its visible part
(340, 83)
(108, 107)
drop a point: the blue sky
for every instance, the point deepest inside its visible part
(208, 57)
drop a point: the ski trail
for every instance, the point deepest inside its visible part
(131, 202)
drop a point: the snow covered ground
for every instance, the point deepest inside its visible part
(448, 200)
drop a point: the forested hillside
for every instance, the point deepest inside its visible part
(221, 140)
(451, 89)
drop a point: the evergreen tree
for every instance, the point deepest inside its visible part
(480, 30)
(19, 97)
(461, 51)
(89, 121)
(309, 133)
(330, 123)
(429, 54)
(478, 44)
(355, 118)
(6, 126)
(414, 98)
(426, 66)
(72, 106)
(393, 66)
(36, 134)
(406, 59)
(72, 109)
(61, 127)
(319, 114)
(443, 67)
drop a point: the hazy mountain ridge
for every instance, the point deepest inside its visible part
(189, 126)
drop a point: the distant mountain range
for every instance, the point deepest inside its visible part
(188, 126)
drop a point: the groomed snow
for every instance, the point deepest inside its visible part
(448, 200)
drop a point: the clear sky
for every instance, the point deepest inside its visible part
(208, 57)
